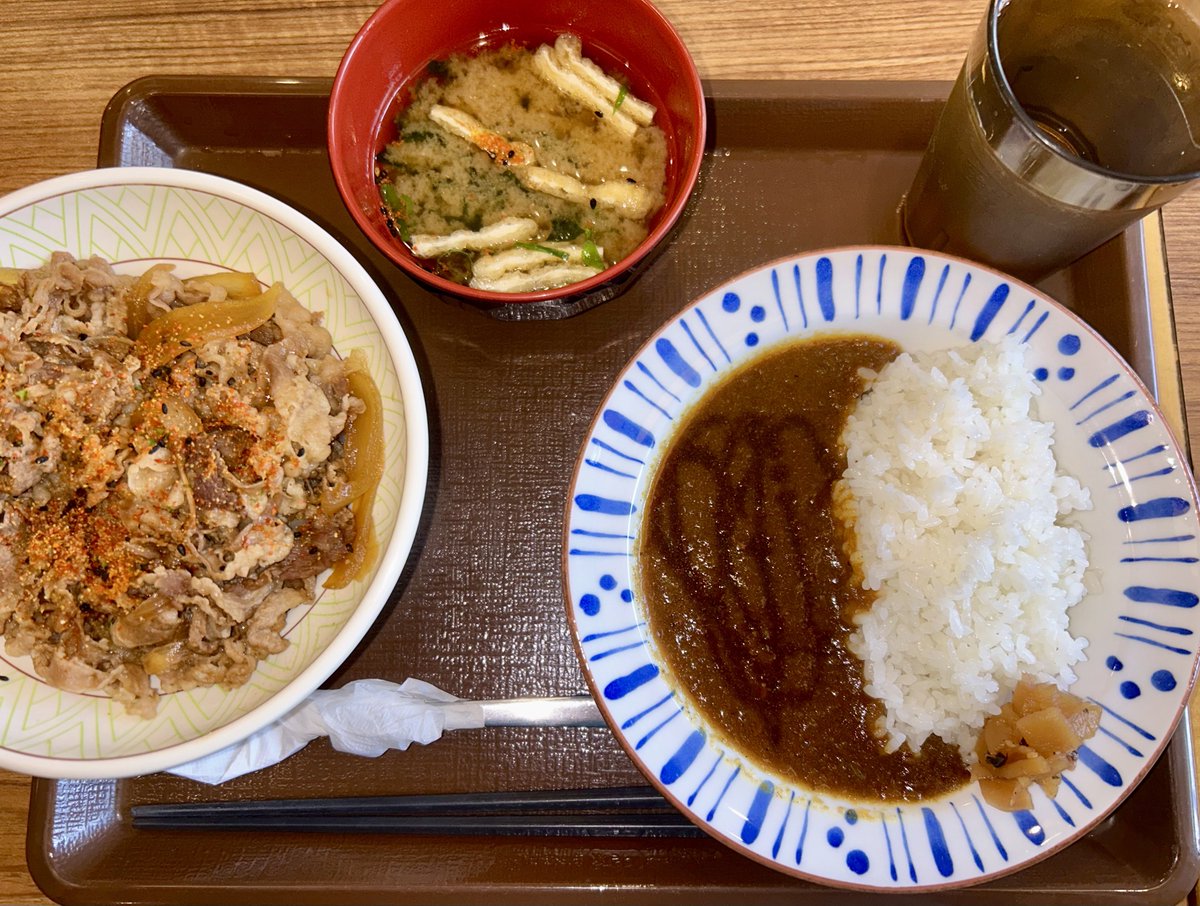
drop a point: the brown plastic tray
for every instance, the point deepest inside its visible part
(478, 611)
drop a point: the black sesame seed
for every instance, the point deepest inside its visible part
(300, 452)
(83, 336)
(997, 760)
(3, 678)
(511, 153)
(631, 180)
(599, 114)
(42, 459)
(185, 344)
(230, 382)
(313, 551)
(182, 550)
(592, 203)
(201, 381)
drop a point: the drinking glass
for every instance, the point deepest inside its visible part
(1070, 120)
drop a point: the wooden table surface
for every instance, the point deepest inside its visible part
(61, 60)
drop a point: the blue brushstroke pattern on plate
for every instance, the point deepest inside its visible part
(1140, 614)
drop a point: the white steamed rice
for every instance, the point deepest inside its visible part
(956, 501)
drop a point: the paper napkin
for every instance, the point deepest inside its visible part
(365, 717)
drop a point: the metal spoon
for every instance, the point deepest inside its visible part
(548, 711)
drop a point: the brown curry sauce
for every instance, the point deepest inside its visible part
(747, 586)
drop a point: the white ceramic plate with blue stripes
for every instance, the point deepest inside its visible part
(1140, 614)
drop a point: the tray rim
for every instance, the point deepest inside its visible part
(1165, 378)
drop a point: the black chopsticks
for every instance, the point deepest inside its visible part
(613, 812)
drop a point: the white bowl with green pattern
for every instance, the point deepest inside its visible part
(135, 217)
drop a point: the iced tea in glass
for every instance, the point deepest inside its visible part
(1070, 120)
